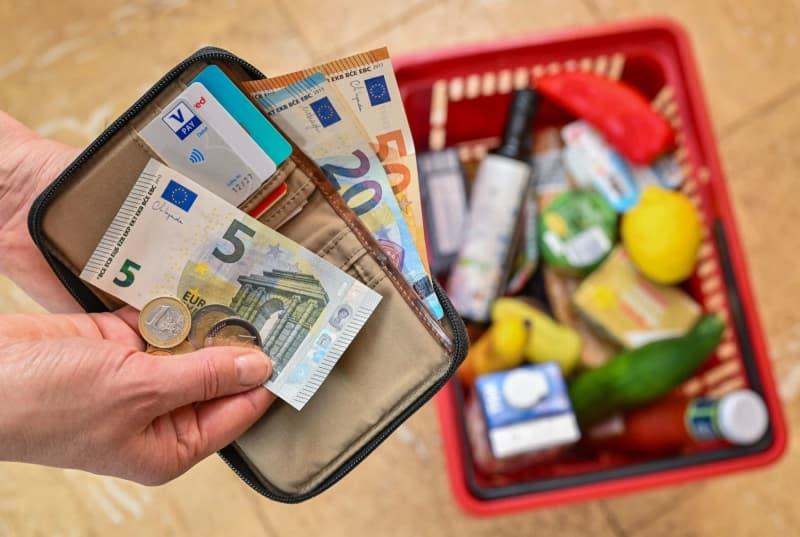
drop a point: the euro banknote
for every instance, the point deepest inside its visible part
(369, 87)
(172, 237)
(312, 113)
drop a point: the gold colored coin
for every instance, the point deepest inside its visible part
(204, 318)
(184, 347)
(164, 322)
(233, 332)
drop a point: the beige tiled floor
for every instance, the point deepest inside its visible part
(69, 68)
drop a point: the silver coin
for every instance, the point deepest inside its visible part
(164, 322)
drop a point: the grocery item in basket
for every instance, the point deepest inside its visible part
(560, 288)
(631, 309)
(549, 176)
(483, 359)
(527, 258)
(662, 235)
(547, 340)
(639, 376)
(665, 172)
(526, 409)
(510, 338)
(595, 165)
(577, 231)
(620, 112)
(677, 422)
(497, 195)
(481, 450)
(444, 203)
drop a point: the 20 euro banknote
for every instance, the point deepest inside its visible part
(312, 113)
(369, 87)
(173, 237)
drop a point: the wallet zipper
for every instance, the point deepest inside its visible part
(460, 340)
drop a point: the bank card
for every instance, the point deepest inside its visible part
(245, 113)
(196, 136)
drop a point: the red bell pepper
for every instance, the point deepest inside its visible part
(617, 110)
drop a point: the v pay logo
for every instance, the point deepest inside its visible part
(181, 120)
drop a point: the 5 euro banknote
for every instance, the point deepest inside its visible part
(172, 237)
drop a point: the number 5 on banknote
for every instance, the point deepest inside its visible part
(230, 235)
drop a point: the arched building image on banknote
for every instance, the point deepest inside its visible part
(284, 306)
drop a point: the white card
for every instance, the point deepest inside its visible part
(196, 136)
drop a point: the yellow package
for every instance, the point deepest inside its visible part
(631, 309)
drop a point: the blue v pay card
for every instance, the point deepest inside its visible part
(196, 136)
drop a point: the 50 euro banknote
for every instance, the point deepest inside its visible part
(172, 237)
(368, 85)
(312, 113)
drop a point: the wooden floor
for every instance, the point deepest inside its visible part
(69, 68)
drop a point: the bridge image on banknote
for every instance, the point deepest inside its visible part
(284, 305)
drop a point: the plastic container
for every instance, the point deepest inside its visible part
(458, 98)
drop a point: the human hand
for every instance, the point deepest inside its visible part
(78, 392)
(28, 163)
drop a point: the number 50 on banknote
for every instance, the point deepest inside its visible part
(173, 237)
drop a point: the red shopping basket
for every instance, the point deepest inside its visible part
(459, 98)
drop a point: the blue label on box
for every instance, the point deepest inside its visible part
(522, 394)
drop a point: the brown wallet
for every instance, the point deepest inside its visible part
(398, 361)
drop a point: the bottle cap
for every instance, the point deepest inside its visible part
(742, 417)
(524, 388)
(517, 139)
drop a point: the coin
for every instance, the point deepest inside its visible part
(164, 322)
(233, 331)
(181, 348)
(204, 318)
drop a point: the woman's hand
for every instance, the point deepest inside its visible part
(78, 392)
(28, 163)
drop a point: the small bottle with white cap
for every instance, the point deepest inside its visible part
(739, 417)
(677, 422)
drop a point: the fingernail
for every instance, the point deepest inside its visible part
(253, 369)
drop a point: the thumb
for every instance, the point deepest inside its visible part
(211, 373)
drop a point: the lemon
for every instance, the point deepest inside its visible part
(662, 235)
(509, 338)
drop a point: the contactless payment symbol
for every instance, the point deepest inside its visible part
(377, 91)
(325, 112)
(181, 120)
(196, 156)
(178, 195)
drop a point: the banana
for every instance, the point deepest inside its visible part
(548, 341)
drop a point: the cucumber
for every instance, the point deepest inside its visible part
(638, 376)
